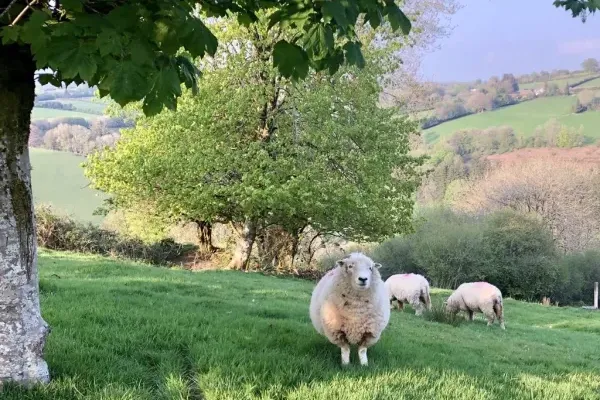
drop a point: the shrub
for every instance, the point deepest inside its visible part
(576, 276)
(58, 232)
(510, 250)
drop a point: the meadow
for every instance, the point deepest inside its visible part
(128, 331)
(525, 117)
(593, 84)
(45, 113)
(560, 82)
(58, 180)
(83, 103)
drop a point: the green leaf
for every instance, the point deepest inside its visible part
(200, 40)
(87, 67)
(72, 5)
(354, 55)
(129, 83)
(140, 52)
(124, 17)
(319, 41)
(334, 9)
(32, 30)
(374, 18)
(10, 34)
(109, 42)
(290, 60)
(164, 92)
(296, 18)
(397, 18)
(52, 79)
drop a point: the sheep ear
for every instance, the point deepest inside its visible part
(377, 265)
(340, 263)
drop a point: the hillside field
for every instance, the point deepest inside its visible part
(58, 180)
(82, 103)
(560, 82)
(127, 331)
(595, 83)
(45, 113)
(525, 117)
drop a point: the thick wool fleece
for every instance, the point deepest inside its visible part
(409, 288)
(480, 297)
(346, 315)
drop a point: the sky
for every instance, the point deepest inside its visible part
(492, 37)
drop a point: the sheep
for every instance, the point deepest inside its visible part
(409, 288)
(350, 305)
(477, 297)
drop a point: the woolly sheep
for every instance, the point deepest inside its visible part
(477, 297)
(409, 288)
(350, 305)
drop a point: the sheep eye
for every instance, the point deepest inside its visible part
(371, 268)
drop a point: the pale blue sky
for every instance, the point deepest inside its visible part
(492, 37)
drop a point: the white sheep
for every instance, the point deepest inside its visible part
(350, 305)
(477, 297)
(409, 288)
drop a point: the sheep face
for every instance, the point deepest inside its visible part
(359, 271)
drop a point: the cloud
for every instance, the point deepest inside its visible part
(579, 46)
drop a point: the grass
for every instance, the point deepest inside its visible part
(58, 180)
(525, 117)
(561, 82)
(593, 84)
(45, 113)
(84, 103)
(128, 331)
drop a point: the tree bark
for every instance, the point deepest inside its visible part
(204, 231)
(22, 330)
(244, 245)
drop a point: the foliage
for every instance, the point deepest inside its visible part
(258, 148)
(62, 233)
(132, 50)
(512, 251)
(176, 334)
(578, 272)
(590, 65)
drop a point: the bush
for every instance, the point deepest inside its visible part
(62, 233)
(512, 251)
(576, 276)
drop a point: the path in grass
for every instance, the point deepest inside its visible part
(125, 331)
(58, 180)
(524, 118)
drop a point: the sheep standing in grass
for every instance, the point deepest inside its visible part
(409, 288)
(350, 305)
(477, 297)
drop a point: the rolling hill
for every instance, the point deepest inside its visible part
(45, 113)
(58, 180)
(126, 331)
(524, 118)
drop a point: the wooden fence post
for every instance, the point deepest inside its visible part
(596, 295)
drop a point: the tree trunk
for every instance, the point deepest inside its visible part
(22, 329)
(204, 231)
(243, 249)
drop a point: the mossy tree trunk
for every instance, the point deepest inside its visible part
(22, 330)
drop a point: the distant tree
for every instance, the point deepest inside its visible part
(478, 102)
(36, 136)
(509, 83)
(586, 97)
(590, 65)
(72, 138)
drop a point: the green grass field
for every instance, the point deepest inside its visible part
(595, 83)
(525, 117)
(45, 113)
(561, 82)
(83, 103)
(57, 179)
(127, 331)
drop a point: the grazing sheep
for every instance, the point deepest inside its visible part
(477, 297)
(409, 288)
(350, 305)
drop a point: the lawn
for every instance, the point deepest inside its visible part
(525, 117)
(57, 179)
(45, 113)
(127, 331)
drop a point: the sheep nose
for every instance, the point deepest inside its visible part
(363, 280)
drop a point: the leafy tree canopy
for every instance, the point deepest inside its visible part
(132, 49)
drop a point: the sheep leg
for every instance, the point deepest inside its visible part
(365, 342)
(490, 315)
(470, 315)
(416, 304)
(341, 340)
(400, 305)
